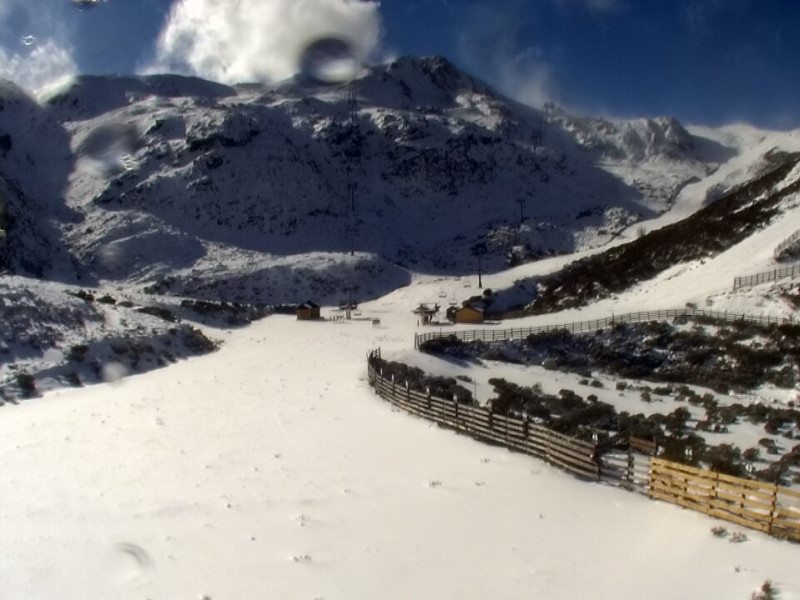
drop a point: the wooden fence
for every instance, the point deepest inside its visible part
(491, 334)
(747, 281)
(576, 456)
(755, 504)
(629, 470)
(763, 506)
(789, 243)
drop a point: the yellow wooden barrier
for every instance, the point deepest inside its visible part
(754, 504)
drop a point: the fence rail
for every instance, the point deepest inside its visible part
(758, 505)
(576, 456)
(628, 470)
(755, 504)
(788, 244)
(747, 281)
(490, 334)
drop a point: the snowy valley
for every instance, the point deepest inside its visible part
(149, 229)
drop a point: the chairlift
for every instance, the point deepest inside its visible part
(467, 283)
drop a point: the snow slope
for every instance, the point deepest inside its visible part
(237, 475)
(270, 469)
(190, 189)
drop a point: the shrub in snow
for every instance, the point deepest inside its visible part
(766, 592)
(581, 421)
(73, 379)
(719, 531)
(82, 294)
(158, 311)
(449, 345)
(417, 380)
(195, 340)
(26, 384)
(686, 450)
(512, 397)
(675, 422)
(751, 454)
(724, 458)
(77, 352)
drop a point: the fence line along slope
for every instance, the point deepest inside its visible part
(491, 334)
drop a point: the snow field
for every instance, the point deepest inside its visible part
(270, 469)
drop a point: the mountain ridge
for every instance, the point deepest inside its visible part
(174, 186)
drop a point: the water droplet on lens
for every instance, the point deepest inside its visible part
(329, 60)
(53, 356)
(113, 372)
(111, 256)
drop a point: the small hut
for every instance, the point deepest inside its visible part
(308, 311)
(468, 314)
(426, 313)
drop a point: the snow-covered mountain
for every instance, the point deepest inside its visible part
(268, 194)
(165, 176)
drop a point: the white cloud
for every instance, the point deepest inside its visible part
(490, 48)
(526, 77)
(34, 51)
(38, 66)
(257, 40)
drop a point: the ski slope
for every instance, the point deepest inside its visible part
(269, 469)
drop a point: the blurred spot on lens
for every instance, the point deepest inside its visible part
(113, 372)
(328, 61)
(111, 147)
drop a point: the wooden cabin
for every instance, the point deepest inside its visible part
(308, 311)
(468, 314)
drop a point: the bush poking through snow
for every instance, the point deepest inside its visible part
(26, 384)
(419, 381)
(767, 592)
(719, 531)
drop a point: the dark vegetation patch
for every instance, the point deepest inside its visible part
(158, 311)
(738, 356)
(86, 363)
(417, 380)
(792, 297)
(231, 314)
(709, 231)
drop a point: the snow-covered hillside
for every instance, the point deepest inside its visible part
(128, 204)
(439, 161)
(241, 475)
(255, 194)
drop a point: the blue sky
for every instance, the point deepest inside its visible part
(702, 61)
